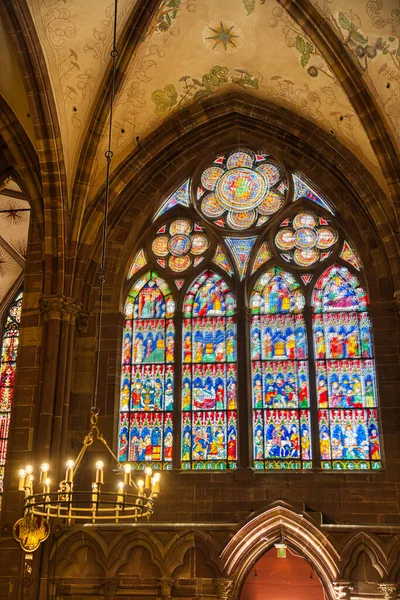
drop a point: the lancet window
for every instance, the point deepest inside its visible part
(9, 348)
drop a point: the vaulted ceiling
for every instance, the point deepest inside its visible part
(320, 59)
(192, 49)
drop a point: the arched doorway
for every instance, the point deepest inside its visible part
(290, 578)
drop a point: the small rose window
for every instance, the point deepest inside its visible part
(241, 191)
(306, 239)
(180, 245)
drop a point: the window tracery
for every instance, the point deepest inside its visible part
(295, 269)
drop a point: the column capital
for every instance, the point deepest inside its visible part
(223, 588)
(342, 590)
(389, 590)
(166, 585)
(109, 587)
(59, 307)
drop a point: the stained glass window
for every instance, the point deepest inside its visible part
(181, 196)
(139, 262)
(147, 384)
(303, 189)
(281, 397)
(7, 375)
(209, 416)
(241, 249)
(305, 239)
(345, 372)
(180, 245)
(245, 188)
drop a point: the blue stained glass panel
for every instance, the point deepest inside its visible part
(345, 373)
(147, 378)
(209, 385)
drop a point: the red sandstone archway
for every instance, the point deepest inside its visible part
(290, 578)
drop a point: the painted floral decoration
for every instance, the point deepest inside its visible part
(180, 245)
(242, 190)
(306, 239)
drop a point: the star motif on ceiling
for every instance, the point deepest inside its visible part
(223, 36)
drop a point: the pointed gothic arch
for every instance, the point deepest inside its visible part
(276, 524)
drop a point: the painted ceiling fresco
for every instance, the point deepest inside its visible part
(194, 49)
(14, 227)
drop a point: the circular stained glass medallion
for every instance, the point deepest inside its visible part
(239, 159)
(180, 226)
(285, 239)
(326, 238)
(241, 189)
(179, 245)
(305, 238)
(160, 246)
(271, 203)
(210, 177)
(179, 263)
(304, 219)
(199, 244)
(271, 172)
(242, 220)
(305, 258)
(211, 207)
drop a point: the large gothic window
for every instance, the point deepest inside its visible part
(209, 422)
(9, 350)
(147, 387)
(245, 269)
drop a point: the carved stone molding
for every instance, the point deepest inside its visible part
(389, 590)
(59, 307)
(109, 587)
(82, 319)
(342, 590)
(166, 585)
(397, 300)
(223, 588)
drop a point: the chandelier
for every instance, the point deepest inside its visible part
(130, 500)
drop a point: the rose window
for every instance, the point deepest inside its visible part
(180, 245)
(306, 239)
(241, 191)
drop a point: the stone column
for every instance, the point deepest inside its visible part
(342, 590)
(389, 590)
(166, 585)
(223, 588)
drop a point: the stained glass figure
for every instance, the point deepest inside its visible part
(180, 196)
(264, 254)
(147, 382)
(244, 187)
(349, 255)
(278, 345)
(241, 251)
(209, 380)
(139, 262)
(302, 239)
(303, 189)
(7, 376)
(181, 243)
(345, 373)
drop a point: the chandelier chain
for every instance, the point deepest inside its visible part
(94, 410)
